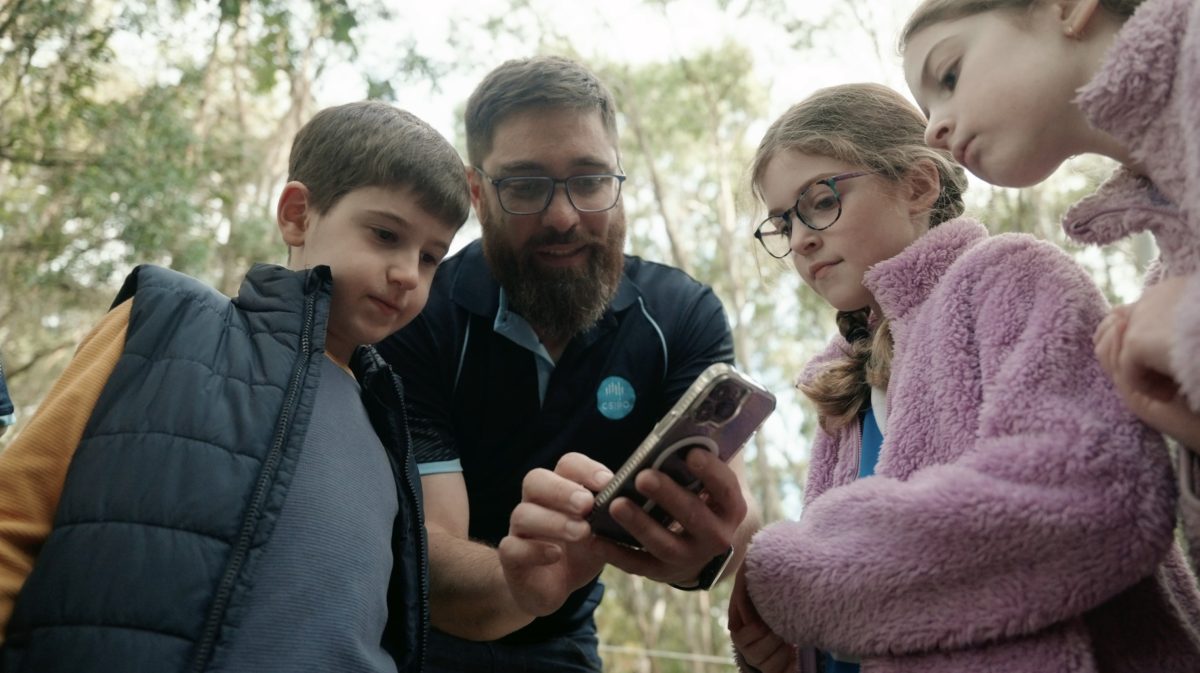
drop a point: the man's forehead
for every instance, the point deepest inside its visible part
(545, 138)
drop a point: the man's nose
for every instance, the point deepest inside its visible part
(560, 212)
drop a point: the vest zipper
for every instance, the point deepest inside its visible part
(420, 527)
(265, 478)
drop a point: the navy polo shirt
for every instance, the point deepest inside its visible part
(485, 398)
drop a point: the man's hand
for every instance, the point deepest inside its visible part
(755, 641)
(706, 525)
(1140, 377)
(548, 552)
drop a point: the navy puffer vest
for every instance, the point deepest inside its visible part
(181, 474)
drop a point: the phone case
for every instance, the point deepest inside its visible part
(719, 412)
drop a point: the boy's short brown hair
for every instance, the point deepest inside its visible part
(373, 144)
(538, 82)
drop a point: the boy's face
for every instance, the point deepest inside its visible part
(382, 249)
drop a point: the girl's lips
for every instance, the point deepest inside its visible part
(817, 268)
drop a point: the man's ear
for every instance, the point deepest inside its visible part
(1075, 15)
(475, 182)
(924, 185)
(292, 213)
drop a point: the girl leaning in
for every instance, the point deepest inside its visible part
(978, 499)
(1014, 87)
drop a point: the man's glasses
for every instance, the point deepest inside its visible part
(528, 195)
(817, 208)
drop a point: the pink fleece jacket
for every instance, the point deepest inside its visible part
(1020, 518)
(1147, 95)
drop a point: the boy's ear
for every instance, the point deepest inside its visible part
(292, 213)
(924, 186)
(1075, 15)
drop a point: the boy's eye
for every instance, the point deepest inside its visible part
(385, 235)
(427, 258)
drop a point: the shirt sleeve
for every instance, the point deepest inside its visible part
(423, 358)
(34, 466)
(702, 338)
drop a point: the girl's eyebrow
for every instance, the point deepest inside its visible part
(804, 187)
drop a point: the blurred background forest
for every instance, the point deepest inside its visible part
(158, 131)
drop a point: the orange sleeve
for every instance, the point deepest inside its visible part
(34, 466)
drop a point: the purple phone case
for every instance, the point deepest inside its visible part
(719, 411)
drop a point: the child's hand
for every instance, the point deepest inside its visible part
(1149, 394)
(1144, 351)
(757, 643)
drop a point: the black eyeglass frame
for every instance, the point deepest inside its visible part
(830, 182)
(497, 184)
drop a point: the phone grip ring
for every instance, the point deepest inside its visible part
(685, 443)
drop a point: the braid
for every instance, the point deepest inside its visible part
(842, 389)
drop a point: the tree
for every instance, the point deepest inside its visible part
(106, 163)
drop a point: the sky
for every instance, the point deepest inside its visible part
(632, 31)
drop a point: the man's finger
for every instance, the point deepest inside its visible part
(516, 551)
(582, 470)
(557, 492)
(530, 520)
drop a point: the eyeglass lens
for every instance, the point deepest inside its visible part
(588, 193)
(818, 208)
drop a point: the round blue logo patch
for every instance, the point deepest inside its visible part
(615, 398)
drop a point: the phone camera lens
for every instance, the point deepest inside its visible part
(704, 411)
(725, 410)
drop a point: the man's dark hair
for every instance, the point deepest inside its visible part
(373, 144)
(538, 82)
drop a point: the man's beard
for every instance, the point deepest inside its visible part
(557, 302)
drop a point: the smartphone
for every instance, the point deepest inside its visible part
(718, 412)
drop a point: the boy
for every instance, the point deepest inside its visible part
(223, 490)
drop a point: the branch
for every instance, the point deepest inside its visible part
(633, 116)
(14, 10)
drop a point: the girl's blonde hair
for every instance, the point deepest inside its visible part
(874, 127)
(932, 12)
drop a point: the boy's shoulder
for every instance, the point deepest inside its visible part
(157, 278)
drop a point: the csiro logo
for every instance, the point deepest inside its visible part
(615, 398)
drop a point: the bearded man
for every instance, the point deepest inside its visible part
(543, 344)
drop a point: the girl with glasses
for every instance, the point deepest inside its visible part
(978, 497)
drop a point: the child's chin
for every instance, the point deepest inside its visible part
(1019, 178)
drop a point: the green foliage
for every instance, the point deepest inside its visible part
(105, 164)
